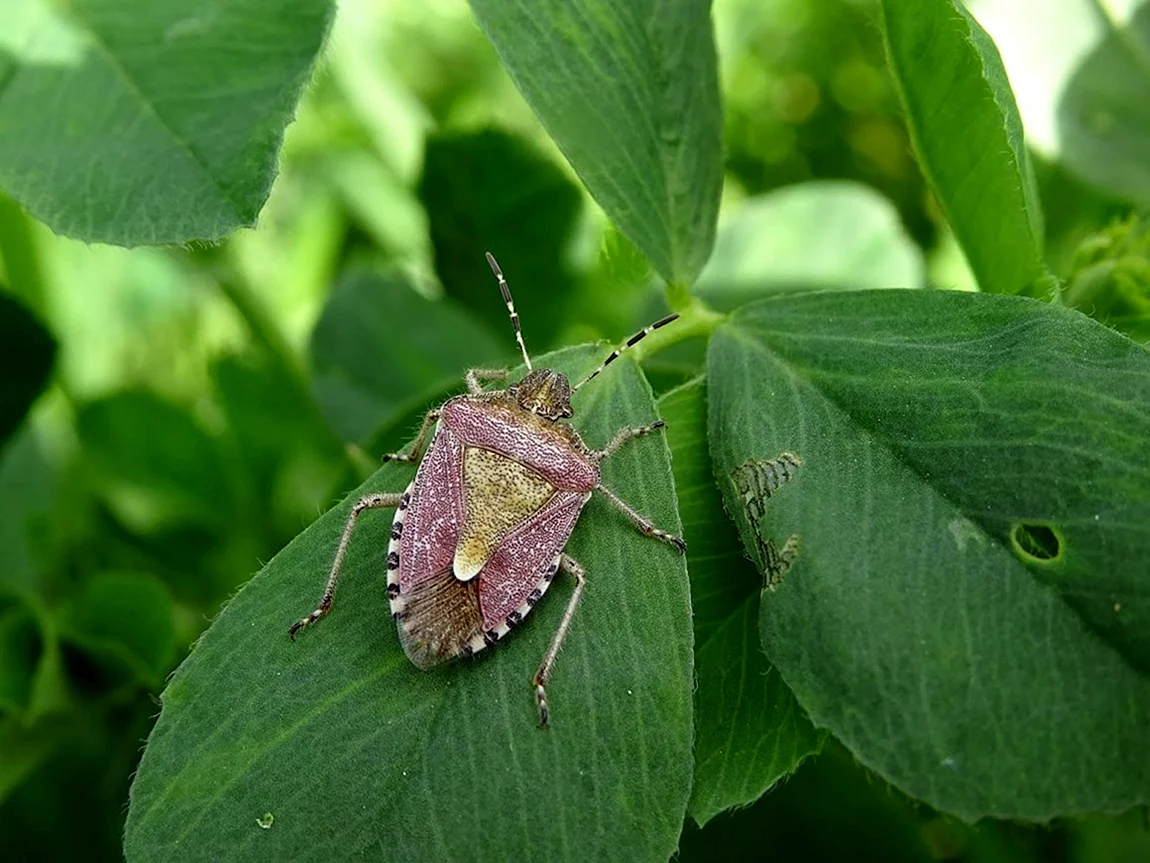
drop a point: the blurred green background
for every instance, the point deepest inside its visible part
(208, 403)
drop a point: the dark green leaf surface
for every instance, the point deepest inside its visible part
(749, 731)
(355, 752)
(32, 683)
(931, 424)
(24, 747)
(129, 122)
(968, 138)
(125, 620)
(490, 191)
(26, 355)
(379, 344)
(827, 234)
(830, 810)
(629, 91)
(19, 651)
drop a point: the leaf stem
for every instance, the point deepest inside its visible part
(696, 318)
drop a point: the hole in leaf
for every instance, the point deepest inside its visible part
(1036, 541)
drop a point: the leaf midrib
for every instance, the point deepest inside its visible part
(150, 107)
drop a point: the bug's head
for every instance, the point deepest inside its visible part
(544, 392)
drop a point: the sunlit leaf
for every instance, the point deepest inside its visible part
(812, 235)
(968, 138)
(1081, 79)
(137, 122)
(629, 91)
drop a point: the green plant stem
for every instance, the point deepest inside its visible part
(696, 318)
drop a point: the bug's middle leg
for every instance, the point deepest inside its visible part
(625, 434)
(570, 565)
(641, 522)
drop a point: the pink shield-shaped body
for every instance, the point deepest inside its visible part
(478, 534)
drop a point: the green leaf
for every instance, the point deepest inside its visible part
(23, 748)
(126, 621)
(490, 191)
(26, 354)
(153, 463)
(825, 234)
(32, 681)
(629, 91)
(831, 809)
(949, 440)
(165, 119)
(1081, 77)
(282, 445)
(19, 653)
(967, 135)
(749, 730)
(354, 751)
(379, 343)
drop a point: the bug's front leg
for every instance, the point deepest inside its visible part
(372, 501)
(569, 565)
(420, 441)
(475, 378)
(641, 522)
(625, 434)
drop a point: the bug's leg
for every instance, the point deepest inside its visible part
(572, 566)
(641, 522)
(372, 501)
(475, 378)
(623, 435)
(420, 441)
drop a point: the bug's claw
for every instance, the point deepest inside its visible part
(541, 700)
(679, 544)
(300, 624)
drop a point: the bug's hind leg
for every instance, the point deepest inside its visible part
(641, 522)
(568, 564)
(420, 441)
(372, 501)
(625, 434)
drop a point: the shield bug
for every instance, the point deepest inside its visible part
(479, 534)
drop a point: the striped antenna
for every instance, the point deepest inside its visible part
(503, 289)
(631, 342)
